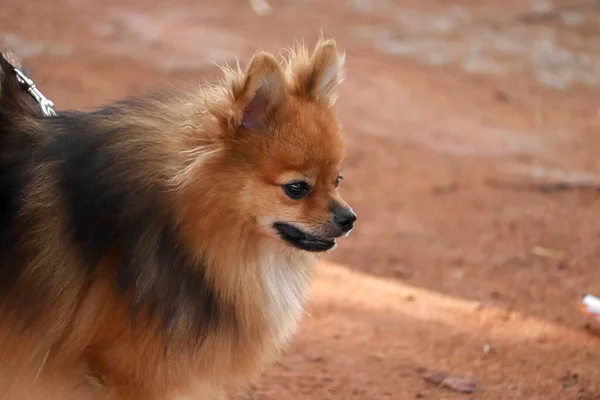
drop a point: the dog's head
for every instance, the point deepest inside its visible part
(283, 147)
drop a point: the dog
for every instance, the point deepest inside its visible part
(162, 246)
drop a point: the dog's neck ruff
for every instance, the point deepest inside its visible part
(46, 105)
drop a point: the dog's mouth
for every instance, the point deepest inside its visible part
(303, 240)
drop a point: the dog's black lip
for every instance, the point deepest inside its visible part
(302, 240)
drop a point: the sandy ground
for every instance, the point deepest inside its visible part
(448, 105)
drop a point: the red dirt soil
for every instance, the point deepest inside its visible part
(448, 269)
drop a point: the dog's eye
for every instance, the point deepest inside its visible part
(337, 180)
(296, 190)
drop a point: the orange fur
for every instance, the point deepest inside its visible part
(216, 158)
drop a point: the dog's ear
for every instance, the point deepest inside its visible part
(264, 89)
(251, 95)
(318, 77)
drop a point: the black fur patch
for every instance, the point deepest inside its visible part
(108, 210)
(12, 186)
(15, 156)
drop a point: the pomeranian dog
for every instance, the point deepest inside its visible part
(162, 247)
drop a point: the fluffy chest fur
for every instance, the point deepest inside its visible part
(286, 277)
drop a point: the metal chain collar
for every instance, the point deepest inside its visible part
(45, 104)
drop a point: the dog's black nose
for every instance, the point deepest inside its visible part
(345, 218)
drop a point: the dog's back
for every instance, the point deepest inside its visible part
(15, 106)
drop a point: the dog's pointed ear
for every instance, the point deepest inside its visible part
(318, 79)
(262, 90)
(251, 96)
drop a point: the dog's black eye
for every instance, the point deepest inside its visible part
(337, 180)
(296, 190)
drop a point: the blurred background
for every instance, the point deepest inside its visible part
(473, 161)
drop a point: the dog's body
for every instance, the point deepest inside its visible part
(162, 247)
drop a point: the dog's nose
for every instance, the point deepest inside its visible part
(345, 218)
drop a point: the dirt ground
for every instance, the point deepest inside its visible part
(448, 107)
